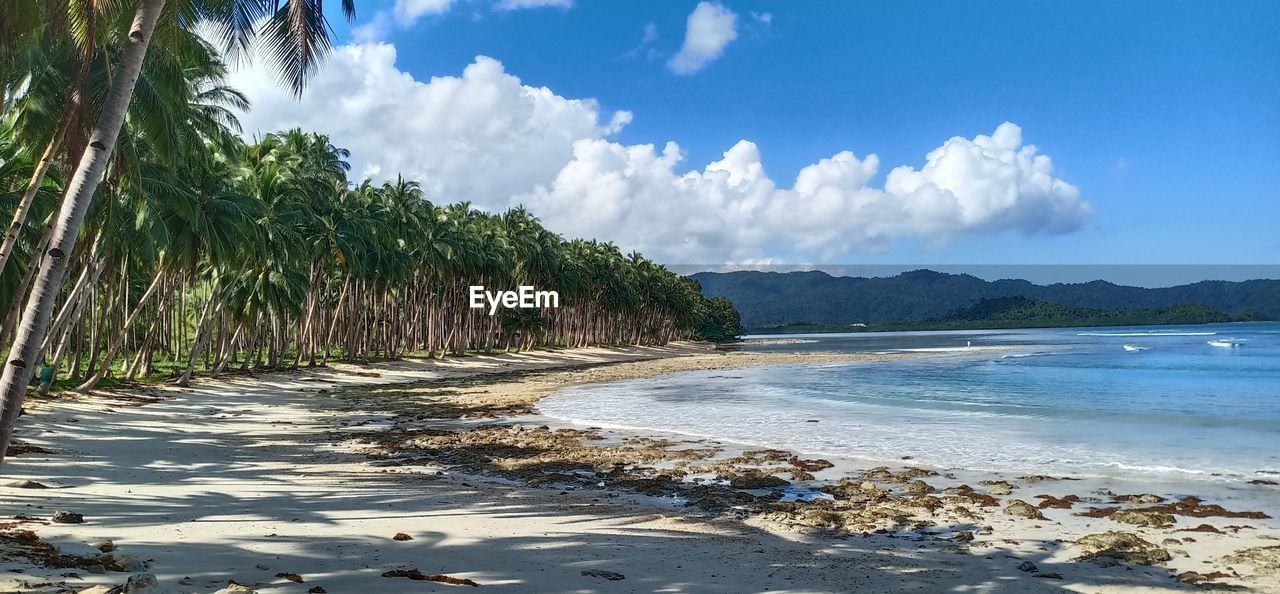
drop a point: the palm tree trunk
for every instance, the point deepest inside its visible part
(143, 357)
(123, 333)
(228, 351)
(69, 110)
(53, 263)
(91, 269)
(11, 318)
(142, 360)
(83, 302)
(73, 299)
(67, 337)
(202, 335)
(312, 297)
(337, 311)
(29, 196)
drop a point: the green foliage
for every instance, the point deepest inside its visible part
(773, 300)
(720, 322)
(301, 264)
(201, 250)
(523, 322)
(205, 252)
(1021, 312)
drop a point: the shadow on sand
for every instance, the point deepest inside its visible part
(214, 483)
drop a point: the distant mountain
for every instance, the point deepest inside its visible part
(768, 299)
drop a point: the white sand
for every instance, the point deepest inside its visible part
(215, 481)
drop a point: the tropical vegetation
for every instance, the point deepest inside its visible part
(721, 322)
(776, 299)
(150, 239)
(1021, 312)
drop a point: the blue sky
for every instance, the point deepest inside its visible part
(1164, 115)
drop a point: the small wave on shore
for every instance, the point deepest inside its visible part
(1025, 355)
(776, 341)
(1057, 400)
(972, 348)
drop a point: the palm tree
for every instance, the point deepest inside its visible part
(30, 38)
(199, 246)
(295, 36)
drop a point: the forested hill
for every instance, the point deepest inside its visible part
(1020, 312)
(772, 299)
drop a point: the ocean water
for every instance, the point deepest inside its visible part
(1059, 401)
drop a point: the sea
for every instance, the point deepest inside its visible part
(1198, 403)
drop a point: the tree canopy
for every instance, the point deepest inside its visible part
(203, 251)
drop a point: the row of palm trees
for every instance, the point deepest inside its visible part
(263, 255)
(149, 239)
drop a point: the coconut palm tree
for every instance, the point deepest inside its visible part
(294, 36)
(201, 251)
(39, 53)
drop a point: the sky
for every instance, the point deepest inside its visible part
(753, 133)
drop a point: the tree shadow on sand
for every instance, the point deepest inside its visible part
(221, 505)
(653, 554)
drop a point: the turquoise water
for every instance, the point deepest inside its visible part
(1067, 401)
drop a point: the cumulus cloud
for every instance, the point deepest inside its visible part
(990, 182)
(710, 28)
(482, 137)
(733, 211)
(488, 138)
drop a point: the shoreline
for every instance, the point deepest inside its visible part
(1052, 490)
(765, 333)
(457, 416)
(1232, 486)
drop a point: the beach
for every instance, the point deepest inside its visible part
(420, 475)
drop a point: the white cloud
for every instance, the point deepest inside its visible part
(645, 47)
(711, 27)
(481, 137)
(989, 182)
(519, 4)
(733, 211)
(488, 138)
(379, 27)
(650, 33)
(403, 15)
(408, 12)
